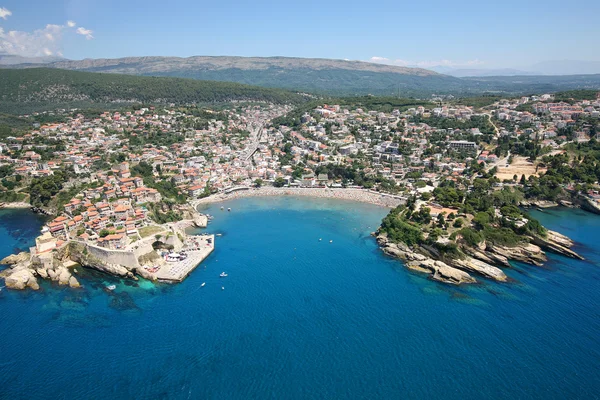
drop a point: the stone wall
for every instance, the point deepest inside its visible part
(143, 249)
(127, 259)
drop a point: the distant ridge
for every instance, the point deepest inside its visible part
(316, 75)
(330, 77)
(142, 65)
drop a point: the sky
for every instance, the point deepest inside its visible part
(459, 34)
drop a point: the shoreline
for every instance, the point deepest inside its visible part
(358, 195)
(15, 205)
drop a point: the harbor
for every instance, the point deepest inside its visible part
(179, 265)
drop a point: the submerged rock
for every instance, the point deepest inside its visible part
(122, 302)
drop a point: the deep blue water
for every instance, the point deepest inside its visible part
(303, 318)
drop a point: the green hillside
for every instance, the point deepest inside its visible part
(27, 90)
(336, 82)
(327, 76)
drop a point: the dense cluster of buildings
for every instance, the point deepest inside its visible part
(218, 151)
(546, 119)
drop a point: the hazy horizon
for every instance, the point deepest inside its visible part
(479, 36)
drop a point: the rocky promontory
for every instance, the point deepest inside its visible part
(25, 269)
(486, 260)
(438, 270)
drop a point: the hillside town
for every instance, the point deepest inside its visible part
(124, 161)
(115, 179)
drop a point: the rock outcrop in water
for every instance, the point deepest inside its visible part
(490, 258)
(438, 270)
(557, 243)
(26, 269)
(15, 258)
(21, 279)
(480, 267)
(525, 252)
(55, 265)
(484, 260)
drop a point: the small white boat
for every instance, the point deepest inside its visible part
(219, 234)
(222, 208)
(223, 275)
(229, 209)
(222, 287)
(320, 239)
(203, 283)
(331, 241)
(111, 287)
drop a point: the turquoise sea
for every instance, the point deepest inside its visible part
(304, 318)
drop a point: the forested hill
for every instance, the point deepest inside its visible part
(325, 76)
(37, 89)
(314, 75)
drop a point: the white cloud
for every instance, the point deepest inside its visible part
(425, 64)
(4, 13)
(85, 32)
(379, 59)
(40, 42)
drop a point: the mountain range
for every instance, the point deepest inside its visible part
(326, 76)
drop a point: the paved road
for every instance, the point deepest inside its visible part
(255, 136)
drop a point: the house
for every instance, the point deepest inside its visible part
(195, 191)
(322, 179)
(114, 241)
(121, 212)
(57, 228)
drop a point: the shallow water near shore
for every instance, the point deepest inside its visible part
(306, 318)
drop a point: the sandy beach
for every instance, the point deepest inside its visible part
(360, 195)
